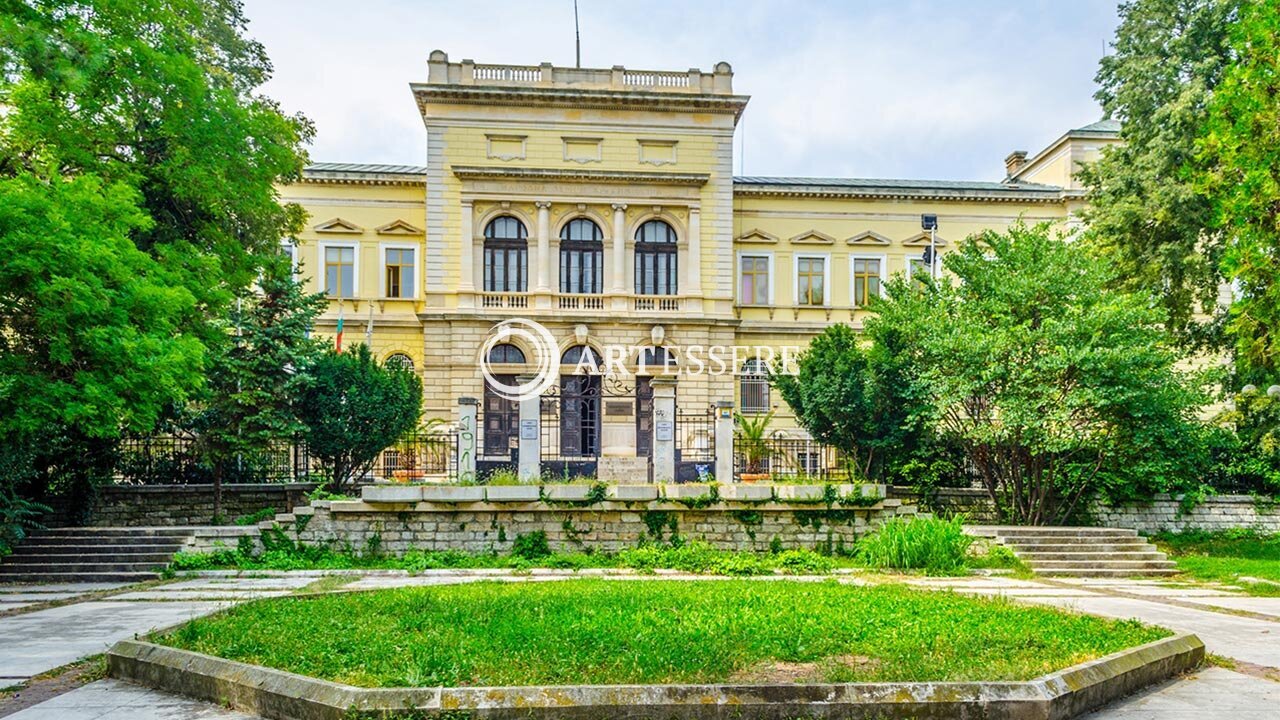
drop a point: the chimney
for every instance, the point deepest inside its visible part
(1014, 162)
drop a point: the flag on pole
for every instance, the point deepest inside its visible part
(337, 340)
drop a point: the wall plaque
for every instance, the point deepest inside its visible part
(664, 430)
(528, 429)
(618, 408)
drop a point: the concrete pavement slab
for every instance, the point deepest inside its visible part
(39, 641)
(210, 594)
(1261, 605)
(1254, 641)
(115, 700)
(268, 583)
(74, 588)
(1210, 694)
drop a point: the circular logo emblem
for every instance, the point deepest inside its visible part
(545, 353)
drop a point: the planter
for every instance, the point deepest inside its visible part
(800, 493)
(452, 493)
(405, 476)
(633, 493)
(391, 493)
(686, 491)
(746, 493)
(867, 490)
(568, 493)
(753, 477)
(512, 493)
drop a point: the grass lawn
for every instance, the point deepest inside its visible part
(1225, 557)
(654, 631)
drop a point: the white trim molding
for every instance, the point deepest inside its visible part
(383, 247)
(737, 275)
(826, 277)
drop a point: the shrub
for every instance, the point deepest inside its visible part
(254, 518)
(929, 544)
(804, 562)
(531, 546)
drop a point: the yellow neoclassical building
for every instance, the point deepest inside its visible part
(601, 203)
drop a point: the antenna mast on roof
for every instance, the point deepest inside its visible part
(577, 37)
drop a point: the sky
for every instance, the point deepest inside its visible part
(861, 88)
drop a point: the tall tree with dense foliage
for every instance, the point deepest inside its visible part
(259, 372)
(847, 393)
(137, 197)
(1145, 215)
(1055, 386)
(1240, 154)
(353, 408)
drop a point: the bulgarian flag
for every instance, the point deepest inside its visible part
(337, 340)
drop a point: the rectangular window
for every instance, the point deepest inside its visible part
(754, 280)
(917, 269)
(339, 271)
(811, 276)
(866, 280)
(398, 263)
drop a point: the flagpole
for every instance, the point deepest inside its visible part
(338, 338)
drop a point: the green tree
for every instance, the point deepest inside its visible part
(1055, 386)
(1145, 215)
(1240, 157)
(137, 187)
(353, 408)
(848, 394)
(258, 374)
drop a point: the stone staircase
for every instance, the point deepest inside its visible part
(93, 555)
(1085, 551)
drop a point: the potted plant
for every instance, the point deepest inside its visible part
(751, 436)
(407, 448)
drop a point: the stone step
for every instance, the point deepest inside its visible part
(1066, 532)
(1055, 546)
(82, 548)
(1108, 572)
(52, 576)
(26, 555)
(28, 566)
(130, 532)
(1083, 557)
(1039, 565)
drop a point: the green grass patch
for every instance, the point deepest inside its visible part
(1226, 557)
(615, 632)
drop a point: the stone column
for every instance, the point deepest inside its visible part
(467, 407)
(619, 248)
(530, 454)
(664, 430)
(544, 248)
(724, 441)
(466, 258)
(693, 275)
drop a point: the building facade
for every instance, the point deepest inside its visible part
(601, 203)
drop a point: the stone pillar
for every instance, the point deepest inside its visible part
(619, 248)
(724, 441)
(544, 248)
(664, 430)
(694, 274)
(467, 407)
(530, 434)
(466, 258)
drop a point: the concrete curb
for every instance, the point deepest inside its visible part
(285, 696)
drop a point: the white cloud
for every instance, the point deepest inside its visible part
(869, 89)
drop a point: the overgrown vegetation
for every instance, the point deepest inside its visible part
(930, 544)
(610, 632)
(1227, 556)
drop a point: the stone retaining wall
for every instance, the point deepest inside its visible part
(1223, 512)
(149, 505)
(974, 503)
(603, 526)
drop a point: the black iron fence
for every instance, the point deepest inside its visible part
(695, 438)
(782, 457)
(181, 459)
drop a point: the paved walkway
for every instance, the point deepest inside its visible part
(37, 641)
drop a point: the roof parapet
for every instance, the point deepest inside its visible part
(468, 72)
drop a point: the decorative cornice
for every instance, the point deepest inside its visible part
(426, 93)
(758, 237)
(923, 239)
(472, 172)
(869, 237)
(812, 237)
(339, 226)
(399, 227)
(1055, 195)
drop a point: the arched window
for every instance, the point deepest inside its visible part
(753, 385)
(506, 353)
(574, 355)
(581, 257)
(399, 360)
(656, 359)
(506, 255)
(656, 259)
